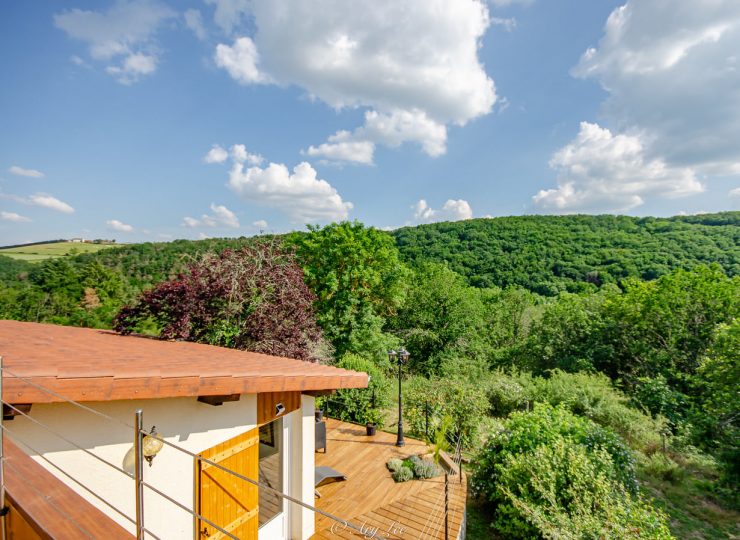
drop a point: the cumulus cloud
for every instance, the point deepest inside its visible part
(30, 173)
(452, 210)
(240, 61)
(301, 194)
(121, 36)
(600, 171)
(48, 201)
(119, 226)
(413, 64)
(390, 130)
(672, 71)
(261, 224)
(221, 217)
(240, 154)
(216, 155)
(12, 216)
(229, 13)
(735, 193)
(194, 21)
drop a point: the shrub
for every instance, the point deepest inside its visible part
(561, 490)
(394, 465)
(426, 469)
(663, 467)
(403, 474)
(360, 405)
(546, 468)
(462, 400)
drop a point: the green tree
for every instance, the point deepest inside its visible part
(358, 279)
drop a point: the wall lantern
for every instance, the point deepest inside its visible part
(151, 445)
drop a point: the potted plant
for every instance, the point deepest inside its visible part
(373, 420)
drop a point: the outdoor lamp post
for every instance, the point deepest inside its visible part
(401, 356)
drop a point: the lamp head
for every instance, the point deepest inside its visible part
(403, 355)
(392, 355)
(151, 445)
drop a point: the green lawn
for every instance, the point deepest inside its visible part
(40, 252)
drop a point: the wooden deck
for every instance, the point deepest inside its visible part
(370, 498)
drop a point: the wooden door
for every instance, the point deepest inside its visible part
(227, 501)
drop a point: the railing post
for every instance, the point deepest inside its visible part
(3, 512)
(447, 506)
(139, 472)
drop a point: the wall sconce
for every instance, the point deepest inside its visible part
(279, 409)
(151, 445)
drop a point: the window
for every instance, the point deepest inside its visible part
(270, 470)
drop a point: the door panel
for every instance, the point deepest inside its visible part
(228, 501)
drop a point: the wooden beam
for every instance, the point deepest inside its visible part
(319, 393)
(218, 400)
(9, 414)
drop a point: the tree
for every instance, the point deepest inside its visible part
(358, 280)
(253, 298)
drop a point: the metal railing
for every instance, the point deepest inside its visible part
(140, 485)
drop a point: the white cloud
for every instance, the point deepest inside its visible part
(221, 217)
(504, 3)
(508, 23)
(133, 67)
(48, 201)
(12, 216)
(261, 224)
(30, 173)
(119, 226)
(124, 32)
(735, 193)
(194, 21)
(240, 154)
(229, 13)
(414, 64)
(452, 210)
(301, 194)
(672, 71)
(240, 60)
(599, 171)
(216, 155)
(342, 146)
(391, 130)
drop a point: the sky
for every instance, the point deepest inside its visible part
(150, 120)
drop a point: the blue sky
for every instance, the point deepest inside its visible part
(153, 120)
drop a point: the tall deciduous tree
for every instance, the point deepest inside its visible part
(253, 298)
(358, 279)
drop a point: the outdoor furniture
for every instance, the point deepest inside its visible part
(320, 436)
(326, 475)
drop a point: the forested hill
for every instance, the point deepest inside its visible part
(548, 254)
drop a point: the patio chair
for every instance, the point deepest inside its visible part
(325, 475)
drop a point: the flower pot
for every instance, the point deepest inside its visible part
(319, 415)
(370, 429)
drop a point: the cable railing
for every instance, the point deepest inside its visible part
(140, 484)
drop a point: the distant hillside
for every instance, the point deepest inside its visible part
(50, 250)
(545, 254)
(548, 254)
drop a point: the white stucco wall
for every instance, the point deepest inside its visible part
(302, 464)
(184, 421)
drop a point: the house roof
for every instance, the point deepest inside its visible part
(85, 364)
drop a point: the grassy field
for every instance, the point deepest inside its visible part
(53, 250)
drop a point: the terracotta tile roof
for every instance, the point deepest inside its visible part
(98, 365)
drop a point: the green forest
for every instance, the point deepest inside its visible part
(589, 366)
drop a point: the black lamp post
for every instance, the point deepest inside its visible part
(401, 356)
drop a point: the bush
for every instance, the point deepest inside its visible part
(360, 405)
(663, 467)
(426, 469)
(561, 490)
(546, 468)
(403, 474)
(394, 465)
(463, 401)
